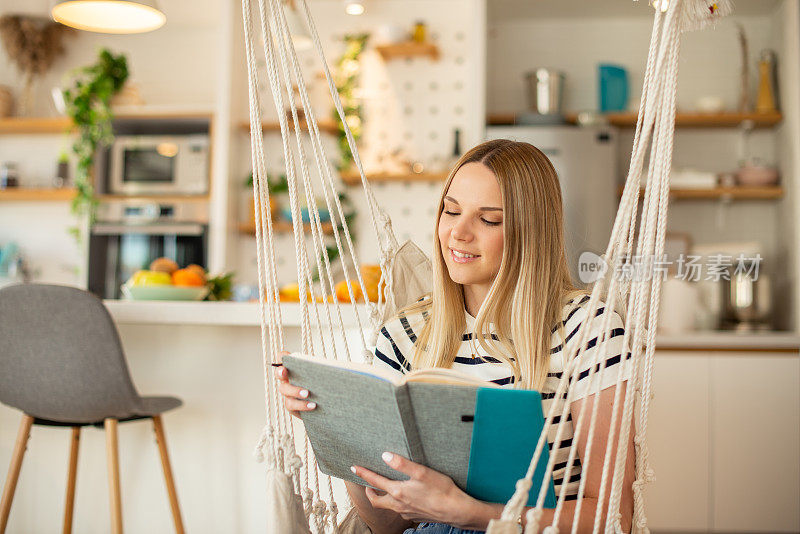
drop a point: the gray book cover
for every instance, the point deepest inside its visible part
(360, 415)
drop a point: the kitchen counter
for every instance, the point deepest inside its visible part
(247, 314)
(216, 313)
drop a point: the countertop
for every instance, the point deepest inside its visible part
(247, 314)
(215, 313)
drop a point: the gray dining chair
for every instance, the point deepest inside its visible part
(62, 364)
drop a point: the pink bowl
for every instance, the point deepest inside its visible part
(757, 175)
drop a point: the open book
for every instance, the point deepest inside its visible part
(480, 435)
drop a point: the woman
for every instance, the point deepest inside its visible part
(501, 309)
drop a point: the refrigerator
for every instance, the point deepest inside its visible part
(586, 162)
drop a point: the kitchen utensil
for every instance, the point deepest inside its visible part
(746, 300)
(6, 101)
(755, 174)
(679, 304)
(386, 34)
(9, 177)
(766, 101)
(305, 214)
(613, 87)
(710, 104)
(545, 91)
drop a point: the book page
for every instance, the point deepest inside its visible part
(439, 375)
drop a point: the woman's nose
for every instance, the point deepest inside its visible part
(461, 231)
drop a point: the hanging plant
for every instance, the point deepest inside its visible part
(89, 106)
(32, 44)
(346, 78)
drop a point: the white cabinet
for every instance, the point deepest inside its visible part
(724, 438)
(678, 439)
(755, 429)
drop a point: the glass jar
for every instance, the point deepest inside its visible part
(9, 176)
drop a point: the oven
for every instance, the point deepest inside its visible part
(128, 235)
(158, 165)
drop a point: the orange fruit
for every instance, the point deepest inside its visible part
(372, 281)
(343, 295)
(290, 293)
(186, 277)
(197, 269)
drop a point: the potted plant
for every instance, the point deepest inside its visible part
(88, 104)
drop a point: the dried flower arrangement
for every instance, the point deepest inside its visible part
(33, 44)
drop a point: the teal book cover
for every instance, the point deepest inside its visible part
(505, 431)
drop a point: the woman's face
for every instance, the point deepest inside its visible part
(471, 226)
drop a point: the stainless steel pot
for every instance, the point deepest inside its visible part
(545, 91)
(746, 300)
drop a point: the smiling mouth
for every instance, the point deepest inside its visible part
(463, 255)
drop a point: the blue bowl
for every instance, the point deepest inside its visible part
(324, 215)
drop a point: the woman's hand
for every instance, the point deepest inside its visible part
(426, 496)
(295, 398)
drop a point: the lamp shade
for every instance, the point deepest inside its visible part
(110, 16)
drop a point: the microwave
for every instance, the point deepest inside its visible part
(159, 165)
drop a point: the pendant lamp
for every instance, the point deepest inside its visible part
(110, 16)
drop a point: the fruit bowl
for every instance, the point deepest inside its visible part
(164, 292)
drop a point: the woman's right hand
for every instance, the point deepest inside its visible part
(294, 398)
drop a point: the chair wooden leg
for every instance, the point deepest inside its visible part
(112, 456)
(13, 470)
(161, 440)
(69, 503)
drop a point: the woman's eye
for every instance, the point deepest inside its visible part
(450, 212)
(492, 223)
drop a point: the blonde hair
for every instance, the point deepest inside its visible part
(533, 284)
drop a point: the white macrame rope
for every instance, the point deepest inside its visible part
(326, 271)
(516, 504)
(265, 296)
(325, 172)
(316, 230)
(668, 116)
(386, 240)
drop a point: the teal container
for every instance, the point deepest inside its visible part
(613, 88)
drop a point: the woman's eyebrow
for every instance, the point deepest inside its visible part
(483, 208)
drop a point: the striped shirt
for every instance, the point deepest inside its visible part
(395, 348)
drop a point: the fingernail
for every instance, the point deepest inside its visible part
(387, 457)
(353, 469)
(304, 393)
(311, 405)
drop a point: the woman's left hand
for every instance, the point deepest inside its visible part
(426, 496)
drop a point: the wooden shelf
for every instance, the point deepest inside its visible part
(32, 125)
(325, 125)
(22, 194)
(155, 198)
(408, 49)
(282, 226)
(704, 120)
(734, 193)
(353, 178)
(682, 120)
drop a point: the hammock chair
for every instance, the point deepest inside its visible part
(300, 498)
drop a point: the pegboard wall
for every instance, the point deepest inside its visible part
(411, 109)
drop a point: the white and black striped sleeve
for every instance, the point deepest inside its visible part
(612, 353)
(391, 349)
